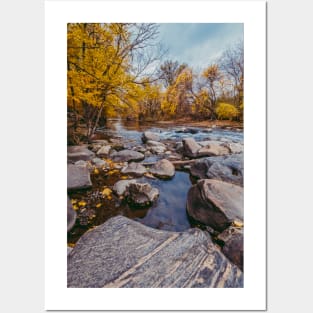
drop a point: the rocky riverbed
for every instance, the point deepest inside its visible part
(156, 200)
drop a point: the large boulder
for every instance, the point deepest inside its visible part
(215, 203)
(232, 241)
(139, 194)
(78, 177)
(150, 136)
(122, 253)
(163, 169)
(225, 168)
(127, 156)
(135, 169)
(71, 215)
(76, 153)
(191, 147)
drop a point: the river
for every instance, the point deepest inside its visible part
(169, 211)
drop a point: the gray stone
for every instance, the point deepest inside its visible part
(163, 169)
(213, 149)
(81, 163)
(232, 241)
(215, 203)
(127, 156)
(71, 215)
(225, 168)
(151, 143)
(234, 147)
(157, 149)
(104, 151)
(69, 250)
(78, 177)
(141, 194)
(191, 147)
(123, 253)
(120, 187)
(99, 163)
(76, 153)
(150, 136)
(134, 169)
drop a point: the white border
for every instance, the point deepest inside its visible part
(253, 295)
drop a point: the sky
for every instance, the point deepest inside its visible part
(198, 44)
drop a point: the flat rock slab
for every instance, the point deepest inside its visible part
(225, 168)
(127, 156)
(76, 153)
(104, 151)
(78, 177)
(163, 169)
(215, 203)
(124, 253)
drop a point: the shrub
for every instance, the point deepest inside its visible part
(226, 111)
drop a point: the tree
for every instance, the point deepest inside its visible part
(169, 71)
(106, 64)
(212, 77)
(232, 64)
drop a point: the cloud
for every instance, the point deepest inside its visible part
(199, 44)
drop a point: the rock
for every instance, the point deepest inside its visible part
(81, 163)
(101, 142)
(225, 168)
(127, 156)
(99, 163)
(124, 253)
(157, 149)
(104, 151)
(69, 250)
(78, 177)
(71, 215)
(134, 169)
(140, 149)
(213, 150)
(234, 147)
(120, 187)
(151, 143)
(215, 203)
(163, 169)
(191, 148)
(141, 194)
(76, 153)
(232, 241)
(150, 136)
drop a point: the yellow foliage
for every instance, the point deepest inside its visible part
(98, 205)
(107, 192)
(226, 111)
(82, 203)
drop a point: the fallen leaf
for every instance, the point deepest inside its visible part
(96, 171)
(106, 192)
(98, 205)
(82, 203)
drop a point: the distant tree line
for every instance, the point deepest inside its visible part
(116, 70)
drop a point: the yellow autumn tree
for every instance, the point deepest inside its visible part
(104, 68)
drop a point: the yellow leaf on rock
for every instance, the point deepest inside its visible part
(75, 207)
(124, 177)
(98, 205)
(82, 203)
(112, 172)
(237, 224)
